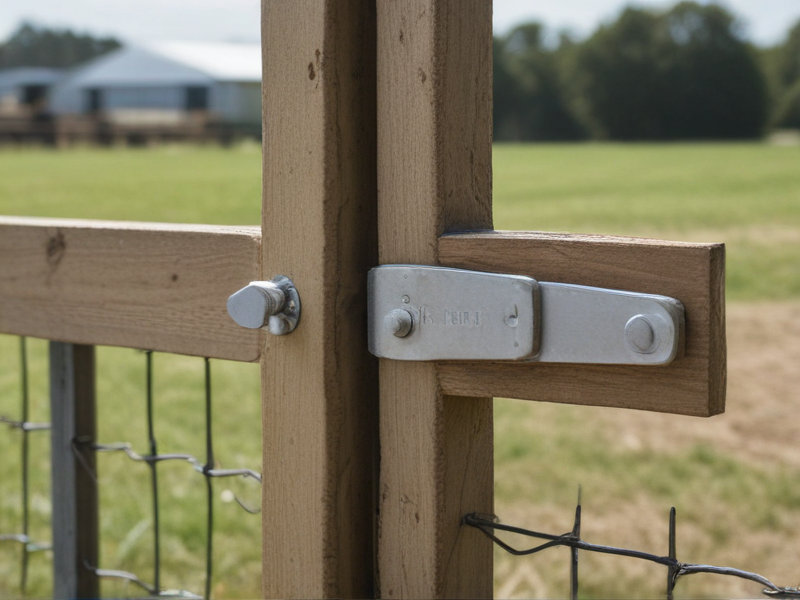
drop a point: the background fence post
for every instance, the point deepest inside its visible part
(74, 488)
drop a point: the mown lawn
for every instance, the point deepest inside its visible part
(747, 195)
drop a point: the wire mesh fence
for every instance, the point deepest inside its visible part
(206, 468)
(26, 428)
(489, 525)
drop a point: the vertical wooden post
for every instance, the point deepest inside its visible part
(434, 176)
(319, 383)
(74, 489)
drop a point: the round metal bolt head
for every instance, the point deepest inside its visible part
(640, 335)
(251, 306)
(400, 322)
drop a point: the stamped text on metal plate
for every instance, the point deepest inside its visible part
(436, 313)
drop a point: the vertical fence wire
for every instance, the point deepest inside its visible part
(153, 464)
(25, 427)
(209, 488)
(673, 556)
(576, 531)
(23, 359)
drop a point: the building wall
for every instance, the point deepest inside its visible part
(135, 78)
(238, 102)
(74, 99)
(14, 83)
(231, 102)
(145, 97)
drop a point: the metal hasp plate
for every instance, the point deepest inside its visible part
(438, 313)
(433, 313)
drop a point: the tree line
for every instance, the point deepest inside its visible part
(34, 46)
(686, 72)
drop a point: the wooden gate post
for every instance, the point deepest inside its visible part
(432, 82)
(434, 176)
(319, 384)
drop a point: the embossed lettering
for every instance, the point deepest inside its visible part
(463, 318)
(425, 317)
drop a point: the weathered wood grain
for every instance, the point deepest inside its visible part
(152, 286)
(434, 175)
(692, 273)
(319, 384)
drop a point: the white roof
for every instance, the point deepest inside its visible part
(168, 63)
(222, 61)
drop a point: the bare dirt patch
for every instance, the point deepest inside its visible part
(760, 428)
(762, 416)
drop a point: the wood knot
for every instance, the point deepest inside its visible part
(55, 249)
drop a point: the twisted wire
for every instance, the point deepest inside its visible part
(488, 524)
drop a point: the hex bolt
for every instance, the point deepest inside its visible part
(253, 305)
(399, 322)
(640, 335)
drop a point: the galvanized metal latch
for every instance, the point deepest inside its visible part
(437, 313)
(272, 305)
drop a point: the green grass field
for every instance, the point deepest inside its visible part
(746, 195)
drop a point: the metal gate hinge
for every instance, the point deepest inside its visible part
(438, 313)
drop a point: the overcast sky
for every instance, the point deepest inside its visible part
(232, 20)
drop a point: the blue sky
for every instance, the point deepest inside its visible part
(228, 20)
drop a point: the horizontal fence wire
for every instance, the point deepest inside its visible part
(205, 468)
(26, 427)
(489, 524)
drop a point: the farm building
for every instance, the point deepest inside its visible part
(24, 92)
(168, 85)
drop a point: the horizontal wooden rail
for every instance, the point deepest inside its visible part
(151, 286)
(692, 273)
(163, 287)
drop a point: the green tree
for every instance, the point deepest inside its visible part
(788, 58)
(529, 101)
(685, 73)
(506, 95)
(717, 87)
(32, 46)
(787, 110)
(783, 66)
(615, 78)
